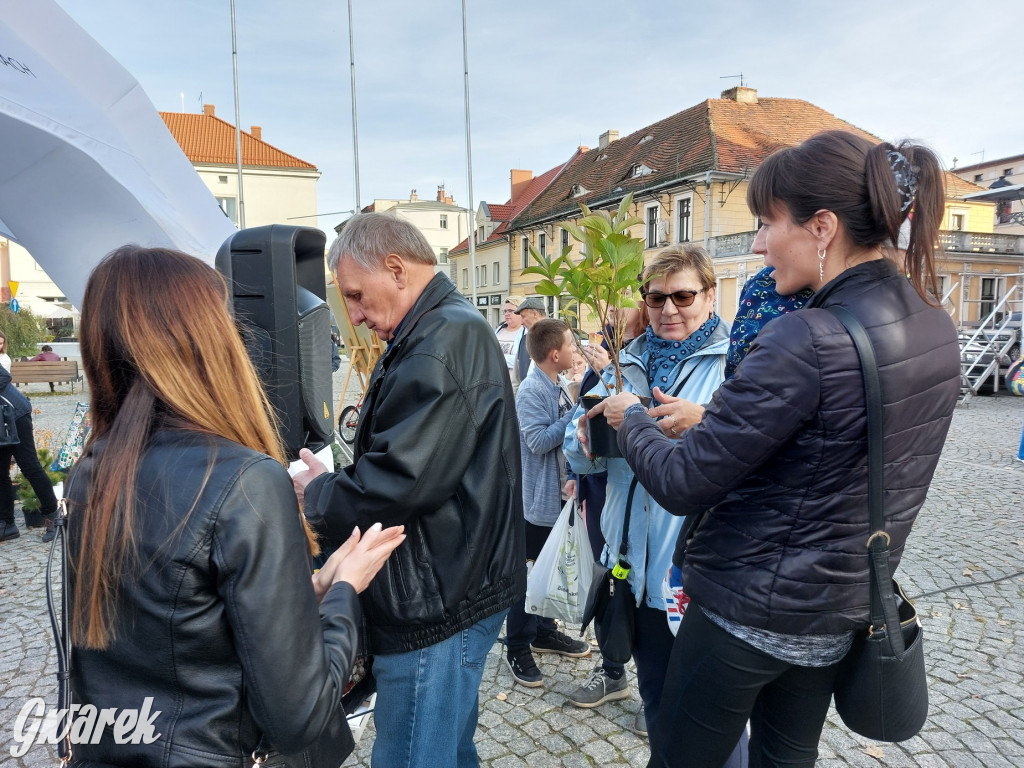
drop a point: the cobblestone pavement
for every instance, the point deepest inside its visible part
(963, 563)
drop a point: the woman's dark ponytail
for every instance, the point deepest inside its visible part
(906, 181)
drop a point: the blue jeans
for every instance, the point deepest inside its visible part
(428, 700)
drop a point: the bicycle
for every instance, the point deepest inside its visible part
(348, 422)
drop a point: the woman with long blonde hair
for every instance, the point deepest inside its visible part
(189, 562)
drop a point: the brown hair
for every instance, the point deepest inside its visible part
(847, 174)
(3, 342)
(546, 335)
(678, 257)
(160, 350)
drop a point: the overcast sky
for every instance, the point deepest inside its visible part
(548, 75)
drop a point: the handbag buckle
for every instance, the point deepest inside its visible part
(881, 534)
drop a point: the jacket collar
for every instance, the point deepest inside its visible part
(855, 278)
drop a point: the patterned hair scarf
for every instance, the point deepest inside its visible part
(759, 303)
(906, 178)
(667, 356)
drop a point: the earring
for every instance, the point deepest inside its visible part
(821, 265)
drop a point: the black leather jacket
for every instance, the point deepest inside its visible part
(778, 463)
(218, 623)
(437, 450)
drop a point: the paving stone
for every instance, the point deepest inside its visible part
(972, 523)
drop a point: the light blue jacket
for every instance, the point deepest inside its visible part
(652, 530)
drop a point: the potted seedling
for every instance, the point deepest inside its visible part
(606, 278)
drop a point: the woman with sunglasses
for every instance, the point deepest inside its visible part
(776, 471)
(682, 354)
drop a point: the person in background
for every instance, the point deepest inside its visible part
(530, 311)
(25, 456)
(681, 353)
(183, 533)
(48, 355)
(544, 408)
(437, 450)
(5, 358)
(511, 331)
(775, 565)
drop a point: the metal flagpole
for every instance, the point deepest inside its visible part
(469, 158)
(238, 119)
(355, 129)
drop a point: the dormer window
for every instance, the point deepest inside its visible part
(640, 170)
(645, 138)
(578, 190)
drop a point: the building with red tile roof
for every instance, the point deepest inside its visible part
(688, 174)
(278, 187)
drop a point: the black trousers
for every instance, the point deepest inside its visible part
(522, 628)
(717, 682)
(24, 454)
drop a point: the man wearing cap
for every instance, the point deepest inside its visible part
(530, 311)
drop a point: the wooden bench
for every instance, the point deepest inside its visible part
(45, 372)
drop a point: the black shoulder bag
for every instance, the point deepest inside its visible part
(610, 602)
(881, 690)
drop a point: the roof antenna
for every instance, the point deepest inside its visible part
(729, 77)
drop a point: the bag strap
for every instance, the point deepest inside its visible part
(61, 631)
(884, 614)
(624, 546)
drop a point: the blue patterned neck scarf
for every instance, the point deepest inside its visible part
(667, 356)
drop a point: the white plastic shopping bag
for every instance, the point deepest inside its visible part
(559, 581)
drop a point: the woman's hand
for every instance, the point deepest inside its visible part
(613, 407)
(359, 559)
(675, 414)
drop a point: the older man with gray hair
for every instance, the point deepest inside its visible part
(437, 450)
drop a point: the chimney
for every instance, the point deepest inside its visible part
(741, 95)
(520, 181)
(257, 132)
(208, 110)
(607, 138)
(449, 199)
(413, 197)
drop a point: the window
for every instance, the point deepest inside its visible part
(525, 245)
(496, 272)
(483, 274)
(444, 221)
(230, 207)
(465, 278)
(565, 239)
(979, 177)
(652, 226)
(988, 296)
(442, 258)
(956, 222)
(1007, 171)
(480, 236)
(222, 179)
(684, 219)
(542, 243)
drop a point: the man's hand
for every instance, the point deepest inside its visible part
(301, 479)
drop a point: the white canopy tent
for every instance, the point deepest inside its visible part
(86, 162)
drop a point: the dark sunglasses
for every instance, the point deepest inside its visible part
(681, 299)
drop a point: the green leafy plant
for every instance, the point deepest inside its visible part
(24, 331)
(607, 276)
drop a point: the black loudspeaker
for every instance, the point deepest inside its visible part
(276, 280)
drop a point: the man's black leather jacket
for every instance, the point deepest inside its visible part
(437, 450)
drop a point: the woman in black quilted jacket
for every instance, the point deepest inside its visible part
(775, 472)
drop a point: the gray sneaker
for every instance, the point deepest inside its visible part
(640, 723)
(599, 688)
